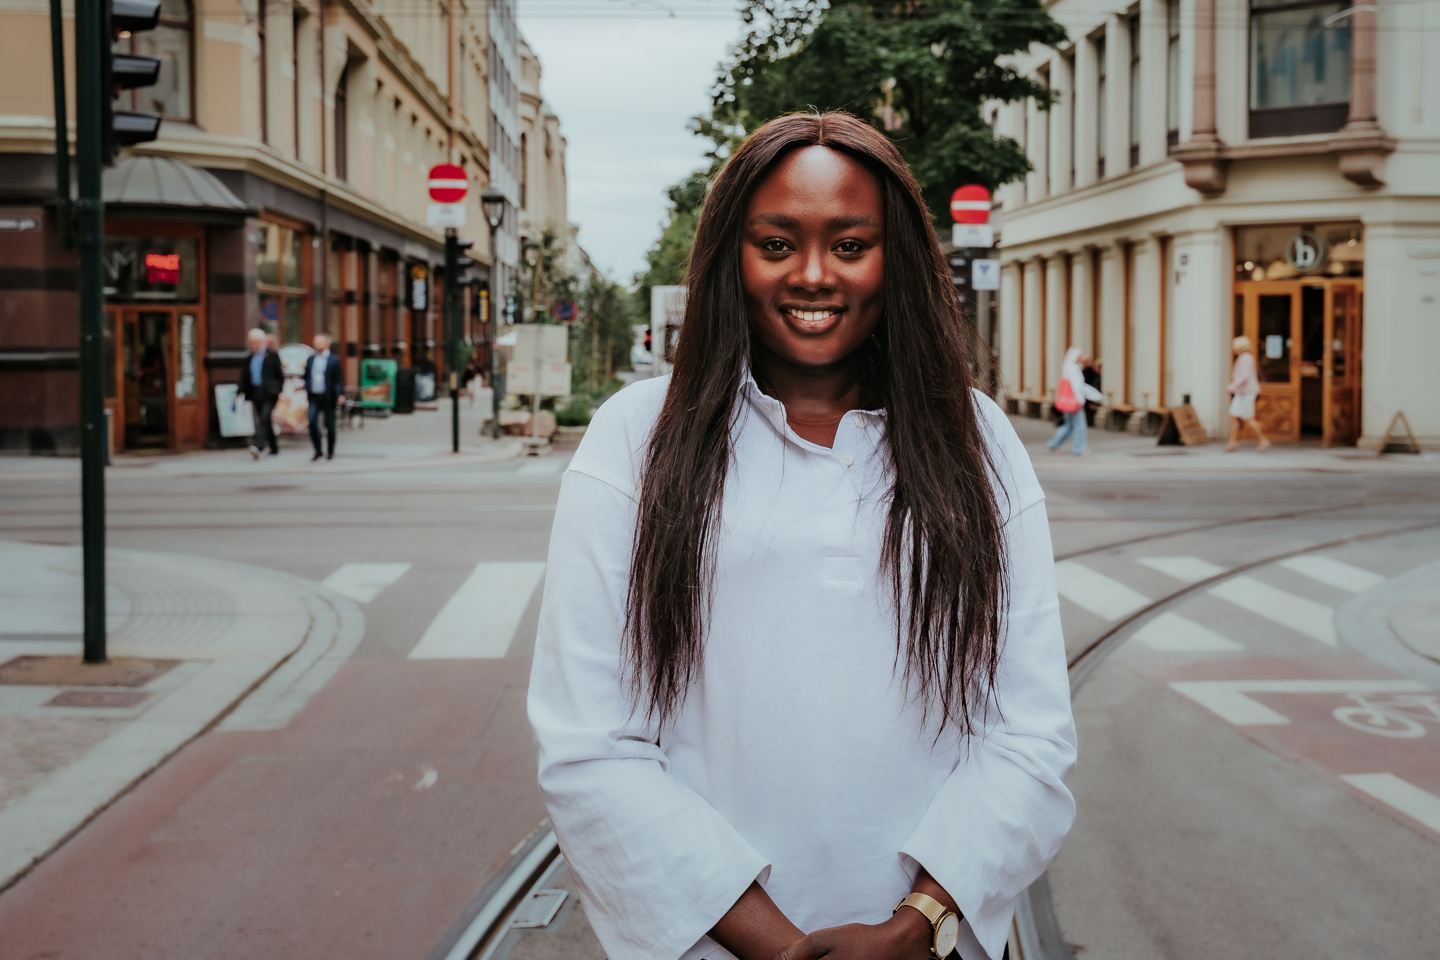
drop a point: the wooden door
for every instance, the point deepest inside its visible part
(1272, 322)
(1341, 375)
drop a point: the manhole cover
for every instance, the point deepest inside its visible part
(37, 671)
(97, 698)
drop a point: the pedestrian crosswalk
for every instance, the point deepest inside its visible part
(480, 619)
(363, 582)
(1111, 599)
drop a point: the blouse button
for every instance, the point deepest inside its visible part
(847, 459)
(859, 419)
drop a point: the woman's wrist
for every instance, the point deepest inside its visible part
(910, 934)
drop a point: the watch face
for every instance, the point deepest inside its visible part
(947, 932)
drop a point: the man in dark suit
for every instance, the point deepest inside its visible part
(261, 381)
(325, 383)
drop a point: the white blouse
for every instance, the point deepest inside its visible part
(798, 758)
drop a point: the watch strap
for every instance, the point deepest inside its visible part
(932, 909)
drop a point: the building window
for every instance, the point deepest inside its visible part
(342, 125)
(1043, 76)
(1172, 73)
(173, 44)
(264, 78)
(281, 280)
(524, 171)
(1134, 92)
(1299, 71)
(1100, 106)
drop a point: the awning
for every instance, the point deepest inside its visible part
(163, 187)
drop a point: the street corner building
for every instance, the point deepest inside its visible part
(287, 191)
(1218, 168)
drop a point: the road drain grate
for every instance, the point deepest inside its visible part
(538, 908)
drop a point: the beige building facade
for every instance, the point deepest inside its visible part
(287, 191)
(1213, 168)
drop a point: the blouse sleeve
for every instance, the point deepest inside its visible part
(1002, 816)
(657, 866)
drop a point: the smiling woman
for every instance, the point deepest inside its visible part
(806, 661)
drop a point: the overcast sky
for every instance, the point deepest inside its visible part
(624, 87)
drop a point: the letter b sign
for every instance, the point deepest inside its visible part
(1307, 252)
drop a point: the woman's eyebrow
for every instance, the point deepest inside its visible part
(775, 220)
(856, 220)
(834, 223)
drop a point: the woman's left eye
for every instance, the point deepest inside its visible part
(849, 246)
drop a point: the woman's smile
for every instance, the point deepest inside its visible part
(812, 320)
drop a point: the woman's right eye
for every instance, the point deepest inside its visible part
(774, 245)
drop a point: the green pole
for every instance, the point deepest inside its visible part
(62, 128)
(452, 326)
(88, 135)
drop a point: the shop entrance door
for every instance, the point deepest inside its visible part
(1306, 335)
(161, 391)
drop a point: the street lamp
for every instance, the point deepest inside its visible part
(492, 201)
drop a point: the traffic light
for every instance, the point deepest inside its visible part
(122, 71)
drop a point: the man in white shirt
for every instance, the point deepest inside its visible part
(325, 384)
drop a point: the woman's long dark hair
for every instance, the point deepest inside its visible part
(943, 548)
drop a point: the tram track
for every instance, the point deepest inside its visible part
(1036, 934)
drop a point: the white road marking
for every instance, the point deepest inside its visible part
(1333, 573)
(1096, 592)
(479, 621)
(1399, 794)
(1228, 698)
(1188, 569)
(362, 582)
(1173, 633)
(543, 466)
(428, 777)
(1315, 620)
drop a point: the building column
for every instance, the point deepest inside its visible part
(1086, 74)
(1037, 148)
(1011, 332)
(1117, 96)
(1062, 81)
(1111, 349)
(1361, 144)
(1081, 296)
(1154, 80)
(1202, 154)
(1034, 300)
(1145, 323)
(1054, 318)
(1200, 324)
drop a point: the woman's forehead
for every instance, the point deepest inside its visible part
(814, 177)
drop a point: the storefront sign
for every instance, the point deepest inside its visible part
(292, 410)
(185, 359)
(151, 269)
(162, 268)
(1307, 252)
(985, 275)
(19, 223)
(377, 383)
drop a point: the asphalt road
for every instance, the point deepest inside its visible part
(1196, 836)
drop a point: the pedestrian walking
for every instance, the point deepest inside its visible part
(799, 657)
(1244, 388)
(325, 386)
(1094, 377)
(1070, 398)
(262, 379)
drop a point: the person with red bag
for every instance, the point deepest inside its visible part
(1070, 397)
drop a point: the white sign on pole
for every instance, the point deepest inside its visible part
(985, 275)
(972, 235)
(445, 215)
(538, 363)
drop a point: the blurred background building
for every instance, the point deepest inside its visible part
(287, 191)
(1212, 168)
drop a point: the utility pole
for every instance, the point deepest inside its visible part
(455, 263)
(99, 131)
(493, 202)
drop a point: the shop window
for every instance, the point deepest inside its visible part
(1299, 70)
(173, 44)
(151, 269)
(280, 274)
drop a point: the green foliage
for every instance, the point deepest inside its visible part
(545, 277)
(920, 71)
(600, 336)
(576, 414)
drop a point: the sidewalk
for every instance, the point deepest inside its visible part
(1119, 454)
(419, 440)
(189, 639)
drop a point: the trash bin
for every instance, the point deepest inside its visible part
(405, 390)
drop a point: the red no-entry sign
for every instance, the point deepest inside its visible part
(448, 183)
(970, 204)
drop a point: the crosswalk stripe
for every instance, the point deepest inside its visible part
(1188, 569)
(1095, 592)
(480, 620)
(1230, 699)
(1173, 633)
(1315, 620)
(543, 467)
(1333, 573)
(1399, 794)
(363, 582)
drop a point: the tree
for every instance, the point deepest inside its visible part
(600, 339)
(920, 71)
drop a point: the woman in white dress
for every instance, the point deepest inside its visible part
(799, 656)
(1244, 388)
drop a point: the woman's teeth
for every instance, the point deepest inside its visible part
(811, 316)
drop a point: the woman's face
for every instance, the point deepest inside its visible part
(812, 257)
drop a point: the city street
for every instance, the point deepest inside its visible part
(1238, 776)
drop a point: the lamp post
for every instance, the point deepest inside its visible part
(492, 201)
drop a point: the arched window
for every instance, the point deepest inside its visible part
(173, 44)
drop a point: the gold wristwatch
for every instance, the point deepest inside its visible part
(945, 924)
